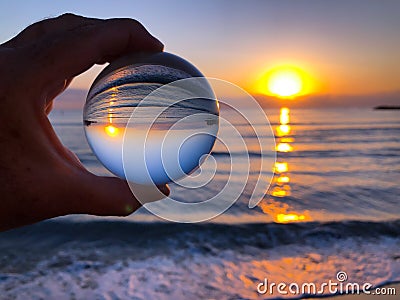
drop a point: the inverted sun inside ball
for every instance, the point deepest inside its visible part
(151, 118)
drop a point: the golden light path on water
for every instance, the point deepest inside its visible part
(280, 211)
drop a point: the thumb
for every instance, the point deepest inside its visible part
(106, 196)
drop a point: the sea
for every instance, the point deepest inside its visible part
(330, 213)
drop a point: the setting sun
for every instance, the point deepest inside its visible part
(111, 130)
(284, 82)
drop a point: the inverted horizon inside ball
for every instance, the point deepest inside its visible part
(151, 118)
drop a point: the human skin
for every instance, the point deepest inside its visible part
(39, 177)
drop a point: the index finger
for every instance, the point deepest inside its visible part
(66, 55)
(47, 27)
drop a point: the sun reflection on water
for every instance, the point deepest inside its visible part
(283, 130)
(284, 147)
(280, 188)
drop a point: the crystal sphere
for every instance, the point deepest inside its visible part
(151, 118)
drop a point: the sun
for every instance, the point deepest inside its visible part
(283, 82)
(111, 130)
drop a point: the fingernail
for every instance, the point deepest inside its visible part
(164, 189)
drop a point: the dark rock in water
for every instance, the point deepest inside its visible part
(386, 107)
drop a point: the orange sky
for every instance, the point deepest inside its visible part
(347, 47)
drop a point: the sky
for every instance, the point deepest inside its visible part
(347, 47)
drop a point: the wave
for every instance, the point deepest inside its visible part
(260, 235)
(124, 260)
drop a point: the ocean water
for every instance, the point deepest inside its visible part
(333, 205)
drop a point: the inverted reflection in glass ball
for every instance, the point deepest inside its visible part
(156, 108)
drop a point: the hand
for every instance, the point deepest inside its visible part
(39, 177)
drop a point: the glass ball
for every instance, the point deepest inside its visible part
(151, 118)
